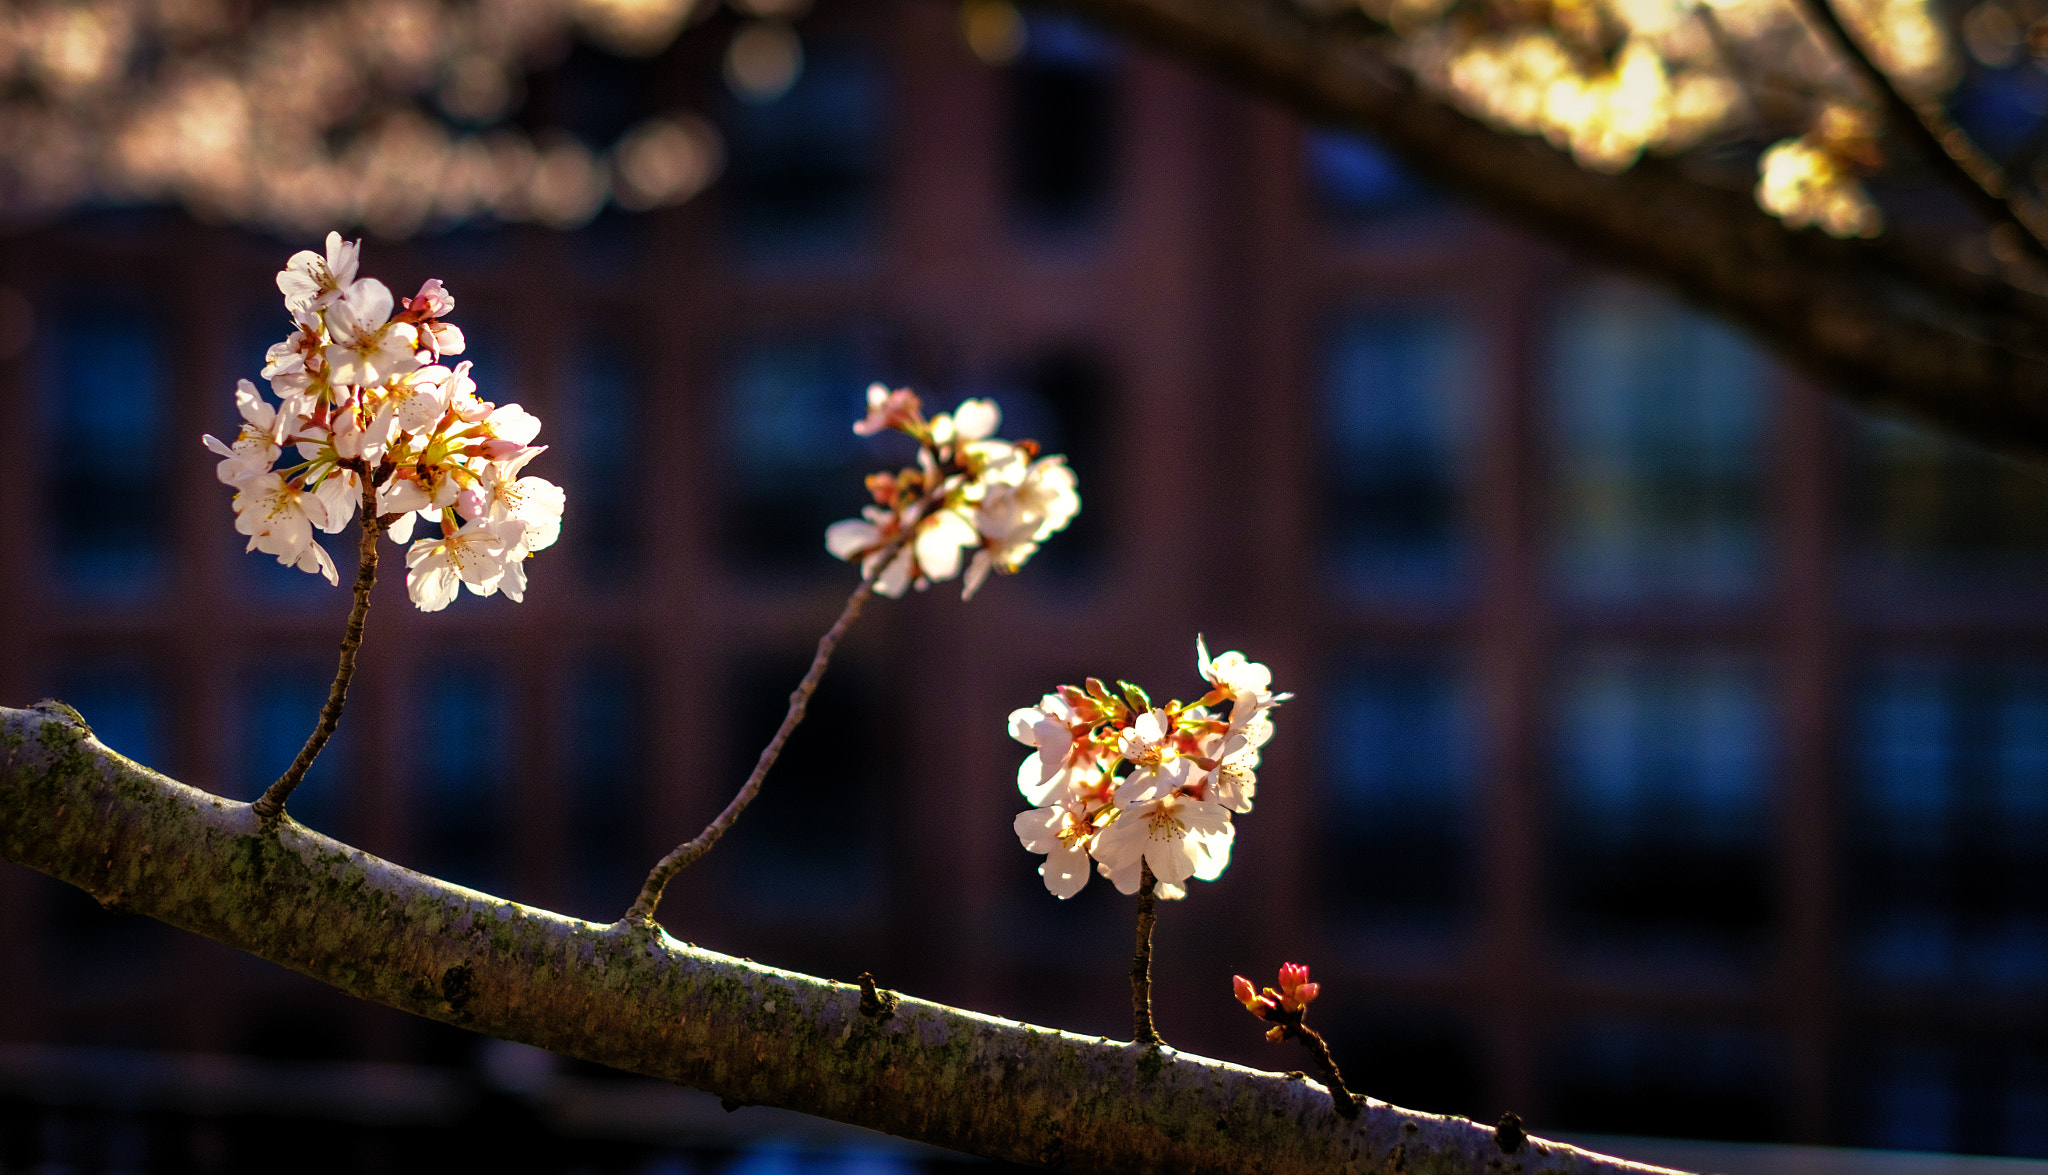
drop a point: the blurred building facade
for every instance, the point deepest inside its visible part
(1670, 750)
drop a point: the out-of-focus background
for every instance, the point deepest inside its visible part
(1670, 748)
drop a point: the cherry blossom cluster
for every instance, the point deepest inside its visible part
(970, 491)
(363, 392)
(1190, 766)
(1284, 1007)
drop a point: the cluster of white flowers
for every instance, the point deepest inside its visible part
(362, 392)
(970, 491)
(1190, 768)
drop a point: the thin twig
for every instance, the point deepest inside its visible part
(684, 855)
(1326, 1067)
(1141, 963)
(270, 805)
(1939, 139)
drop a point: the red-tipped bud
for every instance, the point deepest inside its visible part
(1296, 991)
(1275, 1033)
(1246, 993)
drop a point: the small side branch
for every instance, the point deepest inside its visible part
(1141, 963)
(684, 855)
(1326, 1066)
(270, 805)
(1945, 145)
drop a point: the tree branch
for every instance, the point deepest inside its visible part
(633, 998)
(1945, 146)
(1932, 340)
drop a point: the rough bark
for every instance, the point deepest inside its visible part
(634, 998)
(1909, 333)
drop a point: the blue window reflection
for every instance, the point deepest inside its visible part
(1948, 819)
(278, 706)
(1399, 760)
(805, 170)
(604, 747)
(1353, 176)
(460, 785)
(1399, 397)
(1663, 765)
(109, 505)
(1659, 415)
(794, 464)
(1062, 129)
(603, 474)
(1911, 1100)
(123, 704)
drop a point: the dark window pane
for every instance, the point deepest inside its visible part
(604, 759)
(1662, 770)
(109, 493)
(602, 476)
(1399, 764)
(279, 706)
(1693, 1082)
(1909, 1098)
(1062, 129)
(813, 840)
(1927, 512)
(460, 784)
(1659, 418)
(1061, 400)
(1949, 824)
(1354, 177)
(805, 173)
(794, 465)
(1398, 400)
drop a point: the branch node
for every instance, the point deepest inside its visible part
(1508, 1134)
(63, 712)
(876, 1003)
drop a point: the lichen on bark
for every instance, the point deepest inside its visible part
(630, 996)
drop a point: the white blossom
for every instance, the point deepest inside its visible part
(1064, 833)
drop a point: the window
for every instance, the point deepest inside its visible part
(1659, 417)
(1062, 127)
(1063, 399)
(1398, 401)
(813, 840)
(462, 753)
(1399, 762)
(806, 167)
(794, 463)
(1690, 1082)
(278, 706)
(1927, 511)
(108, 493)
(1660, 803)
(604, 749)
(1353, 177)
(603, 472)
(1949, 819)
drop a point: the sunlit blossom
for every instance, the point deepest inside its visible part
(361, 394)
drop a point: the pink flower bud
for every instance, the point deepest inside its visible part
(1246, 993)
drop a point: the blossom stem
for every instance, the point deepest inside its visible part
(270, 805)
(686, 854)
(1326, 1067)
(1141, 963)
